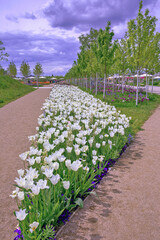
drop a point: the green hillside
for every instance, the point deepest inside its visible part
(11, 89)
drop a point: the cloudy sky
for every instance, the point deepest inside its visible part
(47, 31)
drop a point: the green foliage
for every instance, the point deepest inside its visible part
(79, 202)
(121, 64)
(3, 54)
(11, 89)
(105, 49)
(2, 71)
(87, 40)
(12, 70)
(38, 70)
(141, 36)
(25, 69)
(47, 233)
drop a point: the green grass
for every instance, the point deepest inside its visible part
(138, 113)
(11, 89)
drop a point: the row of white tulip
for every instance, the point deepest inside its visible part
(76, 134)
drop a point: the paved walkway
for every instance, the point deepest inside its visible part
(18, 120)
(127, 206)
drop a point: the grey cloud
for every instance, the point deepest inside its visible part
(91, 13)
(12, 19)
(29, 16)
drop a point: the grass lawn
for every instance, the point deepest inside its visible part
(138, 113)
(11, 89)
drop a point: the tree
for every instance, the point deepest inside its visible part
(87, 40)
(12, 70)
(3, 54)
(121, 58)
(2, 71)
(25, 70)
(38, 71)
(105, 50)
(140, 34)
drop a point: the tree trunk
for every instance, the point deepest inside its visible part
(152, 83)
(113, 84)
(118, 82)
(96, 83)
(37, 82)
(104, 86)
(123, 83)
(137, 88)
(146, 87)
(86, 82)
(90, 83)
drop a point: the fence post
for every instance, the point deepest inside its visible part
(104, 86)
(90, 83)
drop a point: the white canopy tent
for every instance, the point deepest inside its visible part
(145, 75)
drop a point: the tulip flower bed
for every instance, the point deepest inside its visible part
(76, 137)
(114, 94)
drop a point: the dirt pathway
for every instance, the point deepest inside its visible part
(18, 120)
(128, 202)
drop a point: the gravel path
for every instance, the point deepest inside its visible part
(18, 120)
(127, 206)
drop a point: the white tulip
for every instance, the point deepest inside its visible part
(31, 161)
(21, 172)
(48, 172)
(111, 134)
(23, 156)
(62, 158)
(56, 165)
(77, 151)
(76, 165)
(42, 184)
(69, 149)
(94, 152)
(33, 226)
(20, 181)
(98, 145)
(21, 196)
(55, 179)
(35, 189)
(38, 159)
(66, 184)
(68, 164)
(21, 214)
(14, 193)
